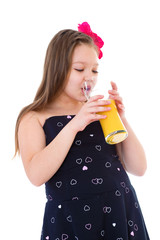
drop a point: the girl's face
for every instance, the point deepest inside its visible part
(84, 67)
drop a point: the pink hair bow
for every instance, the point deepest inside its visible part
(85, 28)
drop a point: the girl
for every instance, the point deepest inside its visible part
(59, 137)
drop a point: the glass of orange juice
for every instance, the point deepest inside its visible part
(113, 128)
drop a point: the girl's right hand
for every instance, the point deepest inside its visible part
(89, 112)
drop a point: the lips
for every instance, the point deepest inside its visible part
(87, 89)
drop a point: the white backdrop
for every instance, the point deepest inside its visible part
(131, 32)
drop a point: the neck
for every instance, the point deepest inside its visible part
(65, 105)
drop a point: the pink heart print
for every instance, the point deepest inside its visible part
(88, 160)
(58, 184)
(64, 236)
(107, 209)
(86, 208)
(59, 124)
(85, 168)
(88, 226)
(73, 182)
(98, 147)
(79, 160)
(69, 218)
(97, 181)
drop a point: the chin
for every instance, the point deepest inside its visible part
(82, 100)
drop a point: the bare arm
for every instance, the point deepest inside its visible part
(131, 152)
(40, 161)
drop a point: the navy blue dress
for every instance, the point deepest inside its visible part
(90, 197)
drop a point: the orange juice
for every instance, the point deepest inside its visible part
(112, 126)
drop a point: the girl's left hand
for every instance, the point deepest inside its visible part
(113, 94)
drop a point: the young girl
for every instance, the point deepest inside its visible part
(59, 137)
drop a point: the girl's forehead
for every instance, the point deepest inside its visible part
(85, 53)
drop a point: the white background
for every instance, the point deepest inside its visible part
(131, 32)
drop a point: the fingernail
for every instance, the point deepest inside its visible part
(108, 108)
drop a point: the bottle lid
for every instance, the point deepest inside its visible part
(116, 137)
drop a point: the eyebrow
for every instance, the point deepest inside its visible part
(96, 64)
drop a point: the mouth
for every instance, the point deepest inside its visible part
(86, 88)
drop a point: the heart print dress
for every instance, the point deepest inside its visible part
(90, 197)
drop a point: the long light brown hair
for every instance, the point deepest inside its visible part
(57, 67)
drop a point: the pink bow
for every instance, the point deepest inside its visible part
(85, 28)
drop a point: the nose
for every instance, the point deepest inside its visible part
(88, 74)
(90, 78)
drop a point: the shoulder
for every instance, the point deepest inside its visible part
(29, 124)
(32, 123)
(30, 132)
(33, 117)
(29, 117)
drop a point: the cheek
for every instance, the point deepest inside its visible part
(71, 86)
(74, 81)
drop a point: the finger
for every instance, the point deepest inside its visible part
(100, 109)
(95, 98)
(100, 116)
(121, 106)
(96, 117)
(116, 98)
(99, 103)
(114, 86)
(114, 92)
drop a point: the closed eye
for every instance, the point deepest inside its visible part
(79, 70)
(95, 71)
